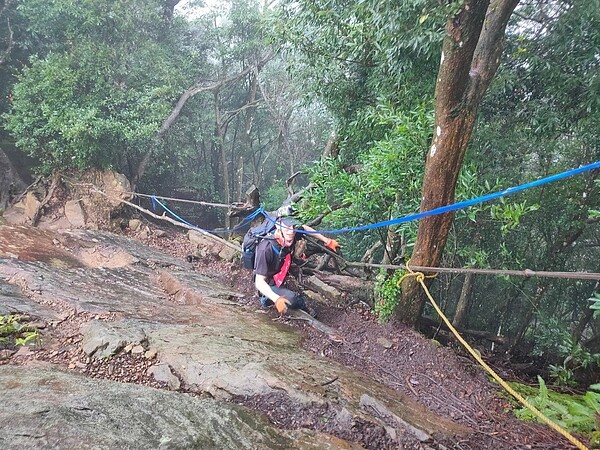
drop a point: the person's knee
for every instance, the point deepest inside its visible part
(297, 302)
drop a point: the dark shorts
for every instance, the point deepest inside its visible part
(296, 300)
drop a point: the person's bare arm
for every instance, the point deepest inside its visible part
(260, 282)
(330, 243)
(281, 303)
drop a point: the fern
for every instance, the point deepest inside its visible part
(577, 413)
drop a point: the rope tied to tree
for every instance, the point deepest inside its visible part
(420, 278)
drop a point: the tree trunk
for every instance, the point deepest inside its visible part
(219, 134)
(587, 315)
(528, 317)
(463, 302)
(392, 244)
(470, 57)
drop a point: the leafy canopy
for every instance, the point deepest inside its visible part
(99, 95)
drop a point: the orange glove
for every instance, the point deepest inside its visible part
(282, 304)
(333, 245)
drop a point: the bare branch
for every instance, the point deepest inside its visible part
(232, 114)
(189, 93)
(317, 220)
(205, 87)
(289, 182)
(168, 219)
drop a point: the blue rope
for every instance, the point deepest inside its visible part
(244, 222)
(460, 205)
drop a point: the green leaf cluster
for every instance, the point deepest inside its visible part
(99, 94)
(13, 332)
(576, 413)
(387, 291)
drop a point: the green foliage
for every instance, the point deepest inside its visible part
(362, 54)
(387, 291)
(15, 333)
(576, 413)
(274, 196)
(556, 342)
(99, 97)
(510, 214)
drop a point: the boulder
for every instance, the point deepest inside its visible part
(206, 246)
(75, 214)
(45, 407)
(30, 205)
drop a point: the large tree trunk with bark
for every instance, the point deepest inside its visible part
(471, 54)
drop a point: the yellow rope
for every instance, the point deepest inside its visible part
(420, 277)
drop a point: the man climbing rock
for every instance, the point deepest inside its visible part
(273, 261)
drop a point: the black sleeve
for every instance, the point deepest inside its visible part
(264, 264)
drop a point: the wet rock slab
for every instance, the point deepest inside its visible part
(205, 341)
(47, 408)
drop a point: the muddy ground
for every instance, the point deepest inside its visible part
(443, 379)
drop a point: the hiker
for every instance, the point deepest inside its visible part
(272, 263)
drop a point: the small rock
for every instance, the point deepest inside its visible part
(80, 365)
(160, 233)
(385, 342)
(128, 348)
(137, 350)
(162, 372)
(150, 354)
(5, 354)
(23, 351)
(134, 224)
(72, 366)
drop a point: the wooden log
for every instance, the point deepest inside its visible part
(350, 288)
(473, 333)
(322, 288)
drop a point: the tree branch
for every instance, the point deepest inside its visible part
(6, 53)
(490, 45)
(290, 180)
(189, 93)
(317, 220)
